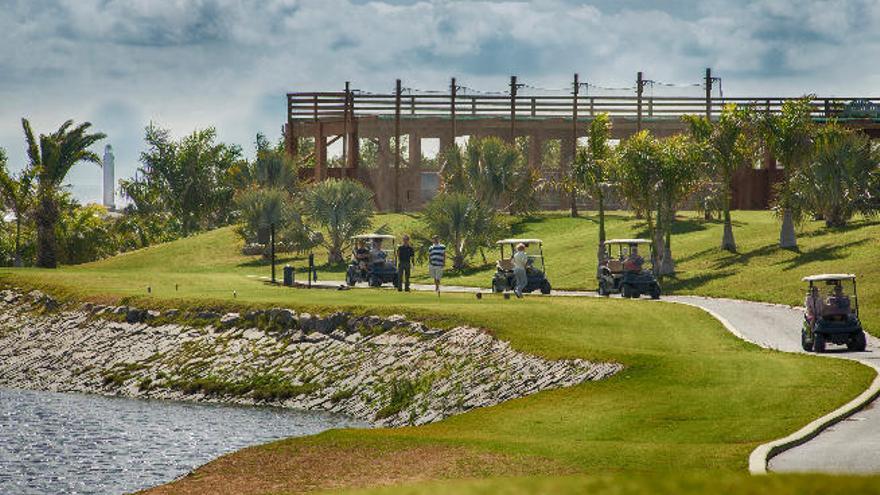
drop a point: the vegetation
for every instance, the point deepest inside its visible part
(789, 136)
(729, 144)
(668, 410)
(51, 158)
(342, 208)
(18, 194)
(463, 222)
(590, 170)
(842, 178)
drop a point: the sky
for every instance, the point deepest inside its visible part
(186, 65)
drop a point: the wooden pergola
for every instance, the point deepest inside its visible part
(351, 115)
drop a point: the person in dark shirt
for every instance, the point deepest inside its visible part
(405, 256)
(362, 256)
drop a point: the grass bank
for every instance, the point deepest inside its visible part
(692, 397)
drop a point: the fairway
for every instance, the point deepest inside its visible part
(692, 396)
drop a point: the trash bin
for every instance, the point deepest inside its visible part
(288, 275)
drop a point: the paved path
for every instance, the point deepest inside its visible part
(852, 446)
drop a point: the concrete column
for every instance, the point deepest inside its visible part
(446, 142)
(353, 153)
(320, 154)
(566, 157)
(415, 151)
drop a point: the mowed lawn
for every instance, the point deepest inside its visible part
(692, 397)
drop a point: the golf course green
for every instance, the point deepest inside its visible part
(682, 417)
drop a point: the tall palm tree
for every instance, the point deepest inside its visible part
(789, 136)
(17, 193)
(589, 173)
(729, 145)
(52, 157)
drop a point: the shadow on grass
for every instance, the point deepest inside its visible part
(683, 226)
(826, 252)
(676, 282)
(850, 227)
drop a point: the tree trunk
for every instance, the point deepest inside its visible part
(728, 243)
(334, 255)
(601, 251)
(668, 265)
(47, 217)
(787, 236)
(16, 260)
(574, 206)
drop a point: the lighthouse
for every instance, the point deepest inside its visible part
(109, 178)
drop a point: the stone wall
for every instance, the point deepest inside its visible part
(387, 371)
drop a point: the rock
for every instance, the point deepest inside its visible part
(252, 334)
(229, 320)
(283, 318)
(207, 315)
(251, 316)
(120, 310)
(306, 322)
(151, 314)
(172, 313)
(134, 315)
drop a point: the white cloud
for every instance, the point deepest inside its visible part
(228, 63)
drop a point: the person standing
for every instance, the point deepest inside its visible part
(405, 255)
(520, 262)
(436, 261)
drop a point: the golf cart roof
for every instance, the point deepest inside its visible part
(517, 241)
(628, 241)
(372, 236)
(829, 277)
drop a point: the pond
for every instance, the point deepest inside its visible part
(70, 443)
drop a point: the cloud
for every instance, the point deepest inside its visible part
(194, 63)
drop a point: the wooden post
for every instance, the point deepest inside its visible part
(453, 90)
(320, 153)
(397, 147)
(345, 126)
(640, 85)
(536, 145)
(708, 93)
(513, 109)
(574, 140)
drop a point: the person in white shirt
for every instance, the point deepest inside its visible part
(520, 262)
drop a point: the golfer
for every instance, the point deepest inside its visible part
(436, 261)
(520, 261)
(405, 255)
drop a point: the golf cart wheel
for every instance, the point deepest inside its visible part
(626, 291)
(349, 278)
(805, 344)
(655, 292)
(858, 342)
(545, 287)
(818, 343)
(374, 281)
(496, 286)
(603, 288)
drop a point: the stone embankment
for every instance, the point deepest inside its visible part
(387, 371)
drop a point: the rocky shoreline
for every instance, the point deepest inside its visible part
(386, 371)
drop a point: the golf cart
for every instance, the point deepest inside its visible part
(621, 269)
(504, 278)
(833, 316)
(373, 264)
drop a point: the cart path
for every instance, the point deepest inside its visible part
(851, 446)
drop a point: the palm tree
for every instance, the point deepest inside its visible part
(589, 174)
(680, 170)
(789, 136)
(17, 193)
(52, 157)
(729, 144)
(462, 222)
(842, 178)
(342, 208)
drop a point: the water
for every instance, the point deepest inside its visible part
(69, 443)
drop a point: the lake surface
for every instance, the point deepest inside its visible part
(70, 443)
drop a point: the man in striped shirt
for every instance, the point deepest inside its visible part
(436, 261)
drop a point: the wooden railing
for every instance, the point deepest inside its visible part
(342, 105)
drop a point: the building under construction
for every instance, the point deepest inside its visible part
(400, 183)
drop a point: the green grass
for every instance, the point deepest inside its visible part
(692, 397)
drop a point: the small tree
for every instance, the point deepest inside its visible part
(589, 171)
(340, 207)
(18, 195)
(493, 172)
(637, 173)
(789, 136)
(464, 223)
(842, 178)
(680, 173)
(729, 144)
(51, 158)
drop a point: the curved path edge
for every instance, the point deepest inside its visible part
(760, 457)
